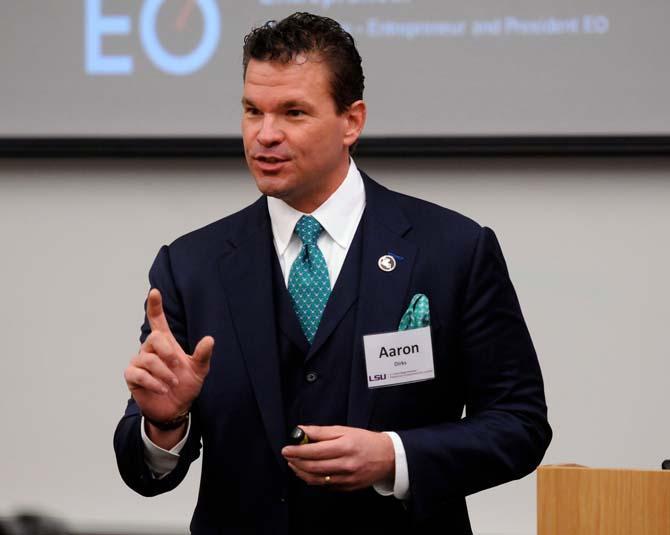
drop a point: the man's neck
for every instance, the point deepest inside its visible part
(311, 201)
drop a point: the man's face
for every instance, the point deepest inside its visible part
(295, 143)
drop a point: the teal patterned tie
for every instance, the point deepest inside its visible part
(308, 282)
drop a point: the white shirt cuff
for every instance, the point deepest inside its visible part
(161, 462)
(400, 486)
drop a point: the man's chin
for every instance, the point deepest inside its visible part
(272, 186)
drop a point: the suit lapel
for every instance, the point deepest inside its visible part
(382, 295)
(247, 278)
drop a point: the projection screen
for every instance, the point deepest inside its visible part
(172, 68)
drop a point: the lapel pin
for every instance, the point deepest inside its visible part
(386, 263)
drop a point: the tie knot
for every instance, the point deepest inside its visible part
(308, 229)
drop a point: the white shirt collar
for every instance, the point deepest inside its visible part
(334, 214)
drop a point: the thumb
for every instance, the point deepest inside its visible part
(202, 353)
(317, 433)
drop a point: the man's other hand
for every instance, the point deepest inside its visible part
(345, 458)
(162, 378)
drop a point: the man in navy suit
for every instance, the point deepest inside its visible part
(397, 459)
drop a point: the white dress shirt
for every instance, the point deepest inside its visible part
(339, 216)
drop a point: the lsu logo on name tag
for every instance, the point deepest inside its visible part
(399, 357)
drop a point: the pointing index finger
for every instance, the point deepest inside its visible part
(155, 313)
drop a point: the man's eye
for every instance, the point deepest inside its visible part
(295, 113)
(252, 111)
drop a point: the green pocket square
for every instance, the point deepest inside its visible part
(417, 314)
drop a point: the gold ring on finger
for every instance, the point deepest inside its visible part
(326, 480)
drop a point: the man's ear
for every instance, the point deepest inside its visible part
(355, 116)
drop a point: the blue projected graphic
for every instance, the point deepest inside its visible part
(180, 65)
(99, 25)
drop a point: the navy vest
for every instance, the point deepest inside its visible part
(315, 391)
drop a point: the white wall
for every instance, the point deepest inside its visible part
(587, 246)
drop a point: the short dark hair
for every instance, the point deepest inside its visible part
(304, 33)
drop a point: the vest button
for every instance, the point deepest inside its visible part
(311, 377)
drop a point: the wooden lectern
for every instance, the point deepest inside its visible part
(575, 500)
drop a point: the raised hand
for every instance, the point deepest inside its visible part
(162, 378)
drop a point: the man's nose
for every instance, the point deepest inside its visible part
(270, 134)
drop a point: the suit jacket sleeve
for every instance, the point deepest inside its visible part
(505, 431)
(128, 444)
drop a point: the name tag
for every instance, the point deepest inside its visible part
(399, 357)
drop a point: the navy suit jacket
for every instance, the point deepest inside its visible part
(218, 281)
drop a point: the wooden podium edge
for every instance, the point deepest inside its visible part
(580, 500)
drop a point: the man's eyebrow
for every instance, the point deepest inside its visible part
(295, 104)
